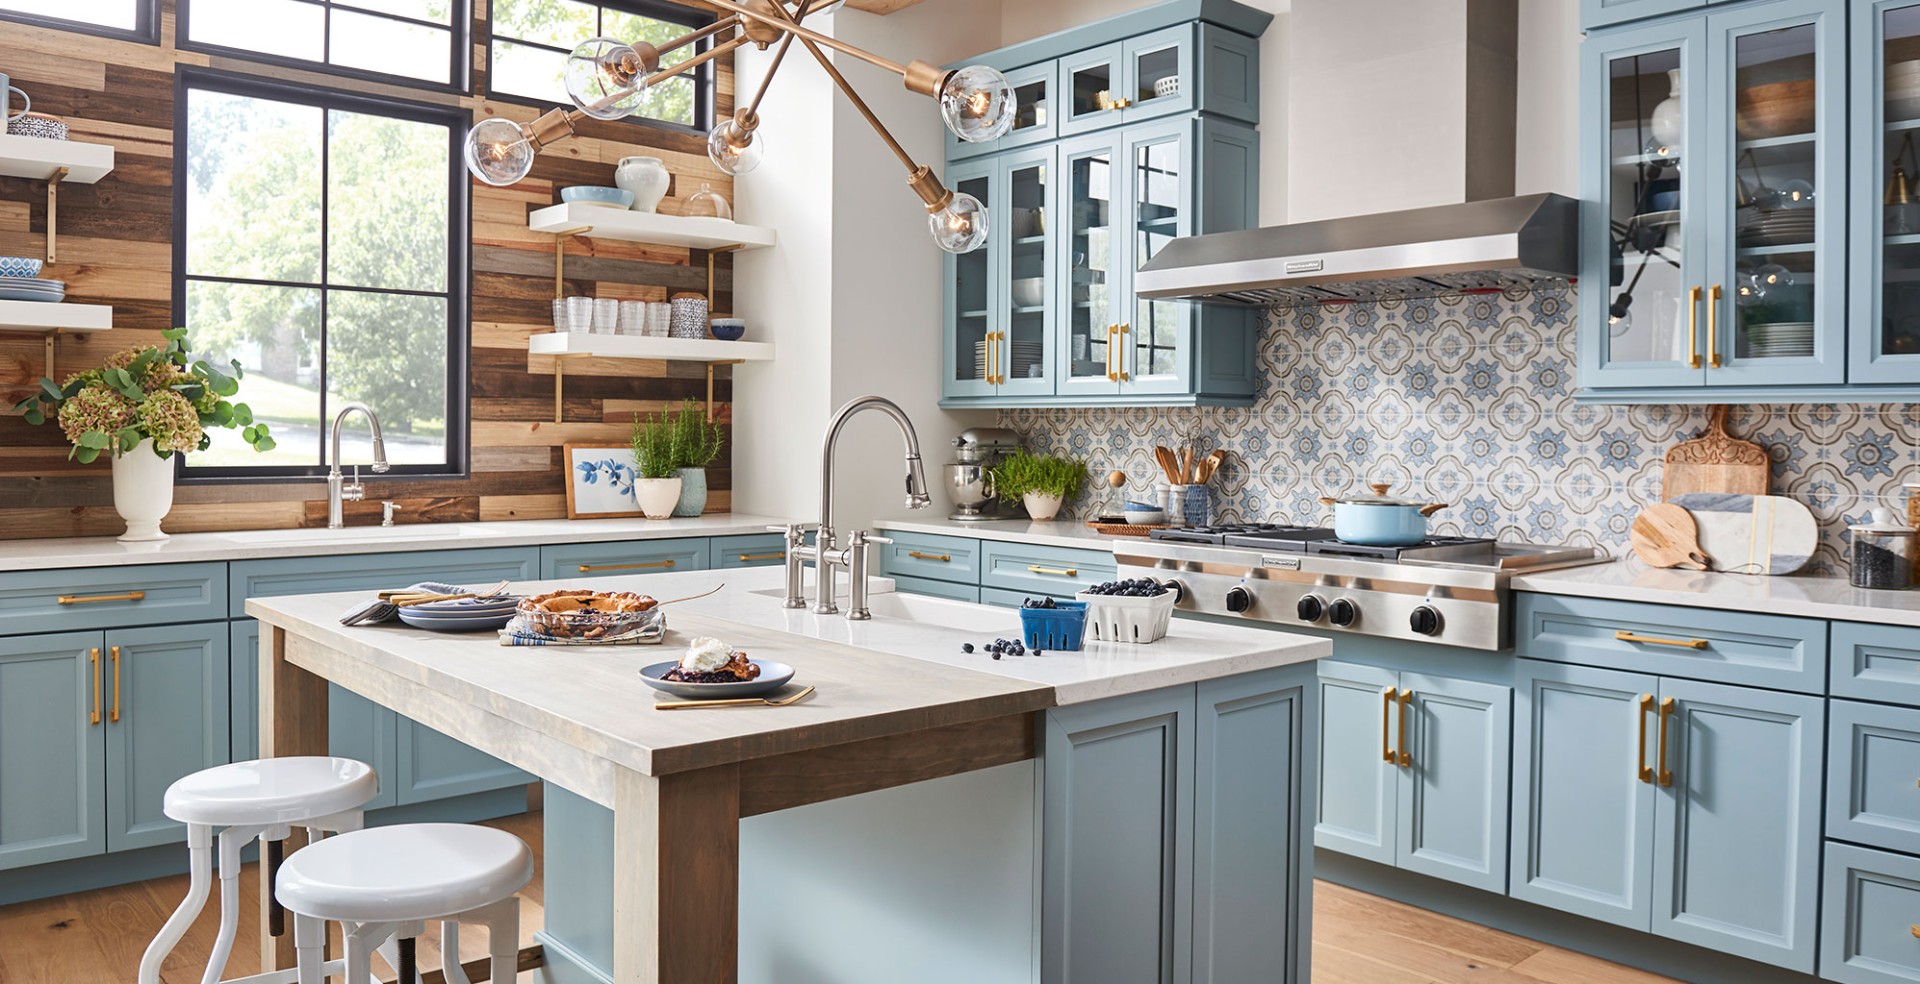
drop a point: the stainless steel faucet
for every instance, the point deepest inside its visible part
(337, 492)
(854, 556)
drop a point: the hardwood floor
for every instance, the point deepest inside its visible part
(92, 937)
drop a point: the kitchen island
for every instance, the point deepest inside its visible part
(1167, 810)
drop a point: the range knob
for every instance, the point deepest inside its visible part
(1342, 612)
(1311, 608)
(1239, 599)
(1179, 590)
(1425, 621)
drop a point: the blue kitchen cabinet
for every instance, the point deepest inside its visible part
(52, 748)
(1034, 122)
(1873, 763)
(1092, 90)
(1875, 662)
(931, 556)
(1043, 569)
(166, 717)
(1600, 13)
(576, 560)
(1867, 923)
(1002, 342)
(974, 290)
(747, 550)
(362, 730)
(1885, 242)
(1358, 785)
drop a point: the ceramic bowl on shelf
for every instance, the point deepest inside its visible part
(25, 267)
(1166, 87)
(37, 125)
(728, 329)
(1029, 291)
(597, 195)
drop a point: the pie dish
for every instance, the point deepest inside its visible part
(586, 614)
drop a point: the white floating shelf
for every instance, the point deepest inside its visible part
(41, 317)
(37, 159)
(689, 231)
(650, 347)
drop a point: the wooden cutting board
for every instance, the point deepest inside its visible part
(1753, 534)
(1664, 535)
(1716, 462)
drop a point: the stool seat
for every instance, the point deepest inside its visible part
(404, 873)
(271, 791)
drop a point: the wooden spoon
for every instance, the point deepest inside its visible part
(1665, 535)
(1210, 465)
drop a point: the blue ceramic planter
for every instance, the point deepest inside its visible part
(693, 492)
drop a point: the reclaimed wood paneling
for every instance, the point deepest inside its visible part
(116, 241)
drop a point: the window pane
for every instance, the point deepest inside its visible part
(634, 27)
(253, 188)
(389, 351)
(531, 72)
(275, 333)
(386, 202)
(287, 28)
(381, 44)
(556, 23)
(105, 13)
(671, 101)
(437, 11)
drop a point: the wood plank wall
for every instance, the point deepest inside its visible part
(115, 247)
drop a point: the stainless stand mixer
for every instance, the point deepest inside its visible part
(969, 476)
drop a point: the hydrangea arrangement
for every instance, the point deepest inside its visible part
(160, 392)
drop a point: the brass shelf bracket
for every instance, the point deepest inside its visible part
(53, 215)
(710, 365)
(560, 381)
(559, 257)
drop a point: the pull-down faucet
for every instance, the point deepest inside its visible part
(854, 555)
(336, 491)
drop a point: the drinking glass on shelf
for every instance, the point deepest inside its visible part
(659, 318)
(580, 315)
(633, 317)
(606, 316)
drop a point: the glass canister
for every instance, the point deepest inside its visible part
(1880, 553)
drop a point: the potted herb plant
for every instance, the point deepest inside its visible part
(696, 444)
(656, 486)
(1038, 481)
(142, 407)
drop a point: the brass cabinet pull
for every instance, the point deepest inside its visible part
(1113, 375)
(1624, 636)
(1713, 325)
(1056, 571)
(1645, 772)
(917, 555)
(93, 657)
(1666, 711)
(1120, 357)
(772, 556)
(1386, 729)
(1915, 930)
(589, 568)
(90, 599)
(1693, 328)
(1406, 701)
(993, 357)
(114, 715)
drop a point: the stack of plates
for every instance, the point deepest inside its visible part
(466, 615)
(1903, 90)
(1026, 357)
(1781, 227)
(1785, 340)
(32, 289)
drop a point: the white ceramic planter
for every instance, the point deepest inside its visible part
(142, 492)
(646, 177)
(1041, 507)
(657, 496)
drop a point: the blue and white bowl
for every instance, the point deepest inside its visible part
(27, 267)
(728, 329)
(597, 195)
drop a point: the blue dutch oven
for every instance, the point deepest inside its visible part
(1379, 520)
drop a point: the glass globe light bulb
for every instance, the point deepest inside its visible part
(1796, 193)
(734, 148)
(978, 104)
(1661, 152)
(1752, 290)
(606, 79)
(961, 226)
(498, 152)
(1774, 275)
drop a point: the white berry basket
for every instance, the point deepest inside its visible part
(1119, 618)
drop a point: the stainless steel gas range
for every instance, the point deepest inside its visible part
(1450, 590)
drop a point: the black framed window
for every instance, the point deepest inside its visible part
(321, 240)
(531, 38)
(412, 42)
(135, 20)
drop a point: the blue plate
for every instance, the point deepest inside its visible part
(597, 195)
(467, 606)
(21, 294)
(773, 676)
(445, 623)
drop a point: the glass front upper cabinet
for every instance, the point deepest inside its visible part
(1034, 121)
(1092, 357)
(1158, 191)
(1886, 185)
(1023, 356)
(974, 293)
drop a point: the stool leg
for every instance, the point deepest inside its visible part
(359, 958)
(409, 970)
(450, 968)
(231, 840)
(199, 879)
(503, 941)
(309, 948)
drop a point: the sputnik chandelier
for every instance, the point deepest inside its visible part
(608, 79)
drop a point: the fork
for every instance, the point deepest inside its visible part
(674, 705)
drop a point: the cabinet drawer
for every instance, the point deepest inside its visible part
(1002, 598)
(751, 550)
(942, 558)
(1042, 570)
(1873, 764)
(1870, 904)
(149, 594)
(572, 560)
(374, 572)
(1726, 647)
(938, 589)
(1876, 662)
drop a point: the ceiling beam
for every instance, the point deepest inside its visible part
(881, 7)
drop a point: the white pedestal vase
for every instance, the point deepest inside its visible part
(1041, 507)
(142, 492)
(657, 496)
(646, 177)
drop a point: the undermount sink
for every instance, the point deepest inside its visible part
(922, 609)
(357, 533)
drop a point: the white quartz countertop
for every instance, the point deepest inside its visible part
(1812, 597)
(104, 551)
(1073, 535)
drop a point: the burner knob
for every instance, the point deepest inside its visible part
(1239, 599)
(1179, 590)
(1311, 608)
(1425, 620)
(1342, 612)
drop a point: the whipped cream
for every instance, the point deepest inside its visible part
(705, 654)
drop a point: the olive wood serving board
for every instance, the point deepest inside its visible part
(1664, 535)
(1716, 462)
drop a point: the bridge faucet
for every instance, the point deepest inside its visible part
(853, 556)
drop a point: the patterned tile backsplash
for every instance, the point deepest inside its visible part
(1469, 400)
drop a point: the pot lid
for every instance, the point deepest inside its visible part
(1378, 497)
(1882, 523)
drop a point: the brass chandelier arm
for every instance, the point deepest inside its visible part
(846, 88)
(732, 20)
(753, 106)
(919, 76)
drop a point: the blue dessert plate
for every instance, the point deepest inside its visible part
(773, 675)
(477, 622)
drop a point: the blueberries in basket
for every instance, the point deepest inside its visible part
(966, 647)
(1039, 603)
(1139, 587)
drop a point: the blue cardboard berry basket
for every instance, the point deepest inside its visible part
(1062, 628)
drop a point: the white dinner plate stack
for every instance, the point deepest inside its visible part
(1026, 356)
(1780, 227)
(32, 289)
(1784, 340)
(1903, 90)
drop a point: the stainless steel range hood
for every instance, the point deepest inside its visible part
(1485, 245)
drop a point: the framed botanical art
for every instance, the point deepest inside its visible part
(600, 481)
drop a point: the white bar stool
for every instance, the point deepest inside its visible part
(263, 799)
(387, 883)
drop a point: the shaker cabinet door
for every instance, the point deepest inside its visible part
(1453, 788)
(166, 717)
(52, 748)
(1358, 785)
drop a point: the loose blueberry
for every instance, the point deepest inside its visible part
(966, 647)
